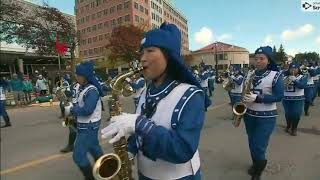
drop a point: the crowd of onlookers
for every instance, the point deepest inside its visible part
(24, 88)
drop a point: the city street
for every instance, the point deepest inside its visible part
(30, 148)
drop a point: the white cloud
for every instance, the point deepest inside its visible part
(204, 36)
(292, 52)
(224, 37)
(302, 31)
(318, 40)
(268, 40)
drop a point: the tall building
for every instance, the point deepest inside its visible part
(96, 19)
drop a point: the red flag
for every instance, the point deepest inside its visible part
(61, 48)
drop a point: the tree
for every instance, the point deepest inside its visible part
(300, 57)
(38, 29)
(274, 50)
(124, 43)
(281, 55)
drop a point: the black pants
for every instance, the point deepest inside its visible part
(43, 92)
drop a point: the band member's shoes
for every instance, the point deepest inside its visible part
(293, 132)
(251, 170)
(87, 172)
(260, 165)
(67, 149)
(287, 130)
(6, 125)
(306, 113)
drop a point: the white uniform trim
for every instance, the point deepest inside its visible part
(2, 94)
(161, 169)
(96, 115)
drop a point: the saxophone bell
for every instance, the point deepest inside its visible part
(107, 167)
(239, 109)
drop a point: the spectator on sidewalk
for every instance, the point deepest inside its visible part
(41, 85)
(4, 85)
(16, 86)
(27, 88)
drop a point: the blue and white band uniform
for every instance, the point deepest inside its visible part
(168, 114)
(263, 86)
(238, 85)
(295, 91)
(75, 93)
(96, 115)
(139, 86)
(2, 94)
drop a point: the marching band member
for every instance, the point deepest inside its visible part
(3, 85)
(165, 131)
(66, 85)
(293, 97)
(260, 118)
(204, 78)
(211, 80)
(74, 92)
(308, 91)
(236, 91)
(88, 113)
(315, 79)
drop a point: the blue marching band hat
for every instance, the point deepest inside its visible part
(168, 37)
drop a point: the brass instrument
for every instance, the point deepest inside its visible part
(240, 108)
(229, 84)
(304, 69)
(117, 165)
(60, 94)
(287, 81)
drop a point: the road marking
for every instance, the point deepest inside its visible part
(216, 106)
(32, 164)
(62, 156)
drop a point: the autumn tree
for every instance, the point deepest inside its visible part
(124, 43)
(38, 28)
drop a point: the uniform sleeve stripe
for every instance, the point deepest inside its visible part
(187, 101)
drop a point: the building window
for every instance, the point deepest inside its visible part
(94, 27)
(127, 18)
(90, 51)
(87, 18)
(119, 20)
(112, 9)
(83, 31)
(136, 5)
(136, 18)
(93, 16)
(98, 2)
(100, 37)
(101, 49)
(106, 24)
(89, 40)
(105, 12)
(126, 5)
(94, 39)
(146, 11)
(87, 7)
(141, 8)
(88, 29)
(95, 50)
(100, 26)
(119, 7)
(92, 5)
(146, 1)
(113, 22)
(99, 14)
(141, 19)
(85, 52)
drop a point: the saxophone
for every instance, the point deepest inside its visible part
(240, 108)
(60, 94)
(117, 165)
(287, 81)
(229, 84)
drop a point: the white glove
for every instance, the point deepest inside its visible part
(232, 77)
(120, 126)
(250, 98)
(67, 109)
(128, 80)
(292, 78)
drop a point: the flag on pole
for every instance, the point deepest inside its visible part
(61, 47)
